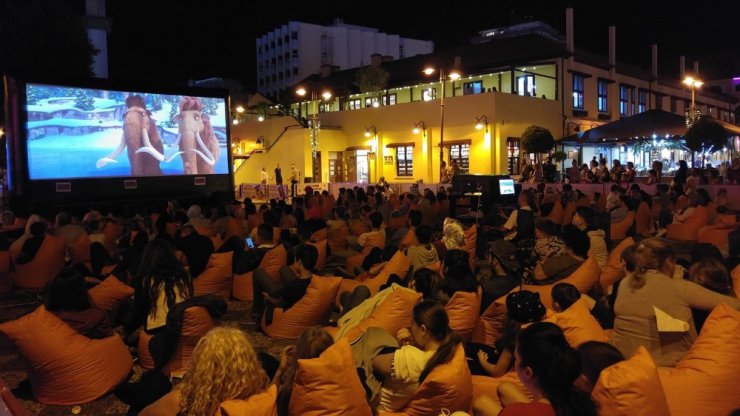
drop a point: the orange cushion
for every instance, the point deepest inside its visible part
(64, 367)
(715, 235)
(329, 385)
(271, 263)
(260, 404)
(579, 325)
(217, 277)
(689, 229)
(448, 386)
(394, 313)
(631, 388)
(49, 260)
(583, 279)
(321, 248)
(463, 309)
(313, 309)
(471, 238)
(398, 264)
(319, 235)
(704, 382)
(619, 229)
(557, 213)
(642, 219)
(110, 293)
(488, 328)
(613, 269)
(736, 281)
(79, 250)
(408, 240)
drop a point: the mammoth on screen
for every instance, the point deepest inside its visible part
(89, 133)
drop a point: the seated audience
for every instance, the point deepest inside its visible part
(595, 357)
(711, 274)
(561, 266)
(585, 219)
(423, 253)
(66, 297)
(456, 273)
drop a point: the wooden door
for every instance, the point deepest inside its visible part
(316, 168)
(351, 168)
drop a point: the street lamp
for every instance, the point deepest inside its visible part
(443, 78)
(302, 91)
(371, 131)
(481, 122)
(419, 127)
(314, 123)
(692, 116)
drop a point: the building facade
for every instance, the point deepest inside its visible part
(296, 50)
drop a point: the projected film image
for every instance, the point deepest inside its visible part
(91, 133)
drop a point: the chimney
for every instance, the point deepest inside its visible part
(696, 68)
(612, 46)
(325, 70)
(376, 59)
(569, 37)
(682, 65)
(654, 66)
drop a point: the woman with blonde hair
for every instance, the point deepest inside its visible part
(648, 294)
(224, 366)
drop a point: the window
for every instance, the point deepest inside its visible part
(578, 91)
(286, 39)
(461, 153)
(372, 102)
(295, 70)
(405, 161)
(390, 99)
(429, 94)
(280, 42)
(624, 93)
(525, 86)
(642, 101)
(603, 96)
(632, 100)
(475, 87)
(513, 152)
(674, 104)
(294, 35)
(355, 104)
(295, 53)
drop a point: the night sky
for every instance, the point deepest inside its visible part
(176, 41)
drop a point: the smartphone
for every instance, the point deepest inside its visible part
(250, 244)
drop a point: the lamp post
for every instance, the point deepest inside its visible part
(314, 123)
(443, 78)
(692, 116)
(372, 131)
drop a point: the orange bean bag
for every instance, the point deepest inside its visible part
(196, 322)
(613, 269)
(6, 280)
(373, 240)
(329, 385)
(618, 230)
(217, 277)
(408, 240)
(112, 232)
(396, 223)
(319, 235)
(321, 248)
(49, 260)
(260, 404)
(488, 328)
(448, 386)
(716, 235)
(704, 382)
(271, 263)
(463, 309)
(79, 250)
(64, 367)
(643, 219)
(689, 229)
(578, 324)
(110, 294)
(631, 388)
(557, 213)
(568, 212)
(584, 278)
(399, 265)
(313, 309)
(489, 385)
(736, 281)
(337, 237)
(394, 313)
(235, 229)
(471, 237)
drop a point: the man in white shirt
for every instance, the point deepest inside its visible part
(293, 180)
(263, 183)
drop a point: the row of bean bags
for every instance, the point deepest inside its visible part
(64, 367)
(618, 230)
(313, 309)
(217, 278)
(463, 310)
(43, 267)
(689, 229)
(271, 263)
(399, 265)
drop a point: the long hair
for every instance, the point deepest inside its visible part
(160, 269)
(434, 317)
(312, 342)
(67, 292)
(224, 366)
(652, 253)
(542, 347)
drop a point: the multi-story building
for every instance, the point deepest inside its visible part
(296, 50)
(514, 82)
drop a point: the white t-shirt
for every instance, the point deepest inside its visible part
(154, 322)
(407, 365)
(263, 176)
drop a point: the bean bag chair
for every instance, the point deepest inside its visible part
(399, 265)
(568, 212)
(217, 277)
(704, 382)
(488, 328)
(463, 309)
(313, 309)
(408, 240)
(195, 323)
(689, 229)
(319, 235)
(329, 385)
(260, 404)
(64, 367)
(643, 220)
(38, 272)
(373, 240)
(396, 223)
(613, 269)
(321, 248)
(271, 263)
(631, 388)
(489, 385)
(557, 213)
(716, 235)
(235, 229)
(736, 281)
(471, 237)
(6, 280)
(584, 278)
(448, 386)
(112, 232)
(337, 237)
(79, 250)
(578, 324)
(110, 294)
(394, 313)
(618, 230)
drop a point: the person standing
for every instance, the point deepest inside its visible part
(263, 183)
(293, 180)
(279, 181)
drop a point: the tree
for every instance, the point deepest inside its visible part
(46, 39)
(705, 135)
(371, 79)
(536, 139)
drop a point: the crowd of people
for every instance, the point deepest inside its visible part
(511, 247)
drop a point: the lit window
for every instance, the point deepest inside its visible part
(603, 98)
(429, 94)
(460, 153)
(624, 93)
(405, 161)
(578, 91)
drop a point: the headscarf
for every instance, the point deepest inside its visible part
(453, 236)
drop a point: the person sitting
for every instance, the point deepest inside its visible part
(453, 237)
(66, 297)
(224, 366)
(423, 253)
(520, 223)
(504, 272)
(33, 243)
(561, 266)
(197, 249)
(629, 173)
(376, 221)
(253, 256)
(620, 210)
(595, 357)
(585, 219)
(711, 274)
(405, 237)
(457, 273)
(64, 228)
(563, 296)
(549, 242)
(548, 368)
